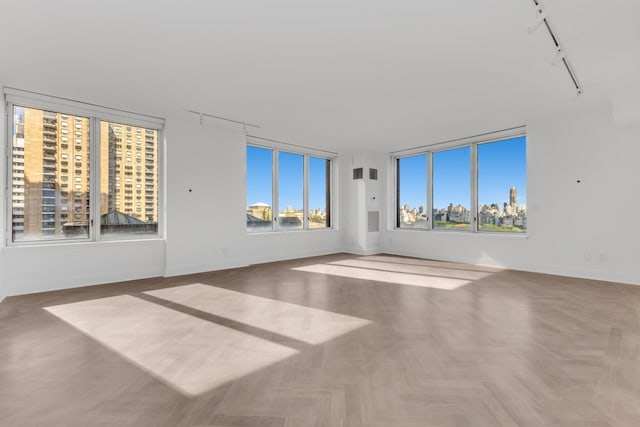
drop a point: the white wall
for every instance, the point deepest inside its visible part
(361, 196)
(205, 227)
(205, 195)
(585, 229)
(38, 268)
(42, 268)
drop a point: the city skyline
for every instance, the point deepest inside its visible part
(501, 185)
(501, 165)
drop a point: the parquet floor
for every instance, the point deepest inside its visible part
(339, 340)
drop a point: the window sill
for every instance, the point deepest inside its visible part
(484, 234)
(90, 243)
(277, 232)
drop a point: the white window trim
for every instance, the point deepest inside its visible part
(96, 114)
(496, 136)
(276, 148)
(79, 108)
(471, 142)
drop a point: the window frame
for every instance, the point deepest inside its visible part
(275, 208)
(429, 150)
(95, 113)
(472, 172)
(398, 193)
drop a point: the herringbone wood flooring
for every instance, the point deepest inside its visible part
(339, 340)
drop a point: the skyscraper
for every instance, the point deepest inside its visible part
(51, 173)
(128, 170)
(512, 197)
(50, 163)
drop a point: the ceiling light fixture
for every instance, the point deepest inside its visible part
(539, 20)
(201, 115)
(561, 54)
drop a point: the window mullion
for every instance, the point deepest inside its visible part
(396, 186)
(305, 193)
(8, 223)
(474, 187)
(276, 209)
(429, 191)
(329, 196)
(94, 179)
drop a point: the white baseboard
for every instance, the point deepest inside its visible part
(181, 270)
(294, 255)
(363, 252)
(78, 281)
(630, 278)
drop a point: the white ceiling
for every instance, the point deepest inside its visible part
(335, 74)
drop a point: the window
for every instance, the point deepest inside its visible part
(290, 190)
(319, 191)
(412, 192)
(259, 189)
(480, 186)
(295, 186)
(43, 171)
(502, 186)
(114, 222)
(451, 190)
(36, 133)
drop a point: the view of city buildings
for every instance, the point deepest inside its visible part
(508, 217)
(259, 217)
(290, 174)
(51, 176)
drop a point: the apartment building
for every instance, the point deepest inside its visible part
(51, 174)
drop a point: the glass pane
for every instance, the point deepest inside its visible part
(128, 181)
(319, 183)
(259, 189)
(502, 186)
(290, 190)
(452, 189)
(50, 175)
(412, 192)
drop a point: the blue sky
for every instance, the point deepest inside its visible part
(501, 165)
(451, 177)
(290, 179)
(259, 186)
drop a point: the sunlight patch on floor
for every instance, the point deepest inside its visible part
(451, 273)
(425, 281)
(302, 323)
(431, 263)
(190, 354)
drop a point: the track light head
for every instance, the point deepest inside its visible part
(560, 55)
(539, 20)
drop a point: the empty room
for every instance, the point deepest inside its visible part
(320, 213)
